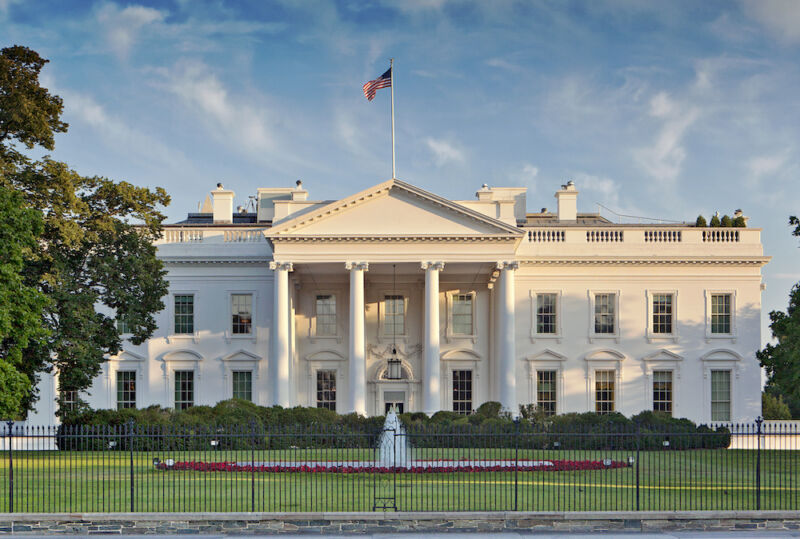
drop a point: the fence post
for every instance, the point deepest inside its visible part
(10, 425)
(516, 461)
(130, 448)
(638, 446)
(252, 466)
(759, 421)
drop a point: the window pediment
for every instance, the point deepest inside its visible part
(242, 355)
(662, 355)
(325, 355)
(547, 355)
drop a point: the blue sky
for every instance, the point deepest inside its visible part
(661, 109)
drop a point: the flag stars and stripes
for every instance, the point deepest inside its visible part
(384, 81)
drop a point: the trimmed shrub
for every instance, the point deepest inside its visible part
(715, 222)
(726, 221)
(701, 221)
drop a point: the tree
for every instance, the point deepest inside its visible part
(94, 259)
(701, 221)
(714, 221)
(782, 360)
(773, 407)
(726, 221)
(739, 222)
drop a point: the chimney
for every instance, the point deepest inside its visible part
(567, 198)
(223, 204)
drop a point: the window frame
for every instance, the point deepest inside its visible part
(231, 295)
(253, 335)
(175, 388)
(236, 371)
(711, 394)
(671, 390)
(592, 305)
(333, 372)
(450, 334)
(546, 360)
(709, 293)
(176, 337)
(312, 333)
(534, 298)
(135, 374)
(662, 337)
(555, 390)
(615, 381)
(453, 390)
(383, 336)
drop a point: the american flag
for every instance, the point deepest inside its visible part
(384, 81)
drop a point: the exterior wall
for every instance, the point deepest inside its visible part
(573, 261)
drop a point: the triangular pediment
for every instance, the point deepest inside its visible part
(547, 355)
(663, 355)
(393, 209)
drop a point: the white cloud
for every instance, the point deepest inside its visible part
(604, 188)
(5, 5)
(445, 152)
(233, 119)
(501, 63)
(765, 166)
(780, 17)
(663, 159)
(121, 27)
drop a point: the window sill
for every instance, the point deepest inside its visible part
(546, 337)
(450, 337)
(721, 337)
(655, 338)
(240, 336)
(604, 337)
(182, 337)
(324, 338)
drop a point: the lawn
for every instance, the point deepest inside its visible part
(46, 481)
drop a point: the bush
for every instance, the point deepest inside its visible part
(739, 222)
(773, 407)
(701, 221)
(714, 222)
(726, 222)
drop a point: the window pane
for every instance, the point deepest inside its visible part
(242, 314)
(326, 315)
(546, 391)
(720, 395)
(184, 389)
(394, 315)
(546, 313)
(462, 314)
(462, 391)
(662, 391)
(122, 326)
(184, 314)
(126, 389)
(721, 313)
(326, 390)
(604, 392)
(243, 385)
(605, 313)
(662, 313)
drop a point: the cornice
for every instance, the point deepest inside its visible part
(648, 261)
(216, 260)
(429, 238)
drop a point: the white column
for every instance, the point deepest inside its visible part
(279, 362)
(506, 336)
(358, 366)
(431, 396)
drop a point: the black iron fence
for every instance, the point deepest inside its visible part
(448, 468)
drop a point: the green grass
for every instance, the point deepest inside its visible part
(46, 481)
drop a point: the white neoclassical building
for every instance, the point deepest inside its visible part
(396, 296)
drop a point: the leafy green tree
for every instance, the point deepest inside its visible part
(726, 221)
(701, 221)
(782, 360)
(739, 222)
(94, 259)
(773, 407)
(715, 222)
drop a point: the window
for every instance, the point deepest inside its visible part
(184, 389)
(123, 327)
(243, 385)
(546, 313)
(721, 313)
(69, 399)
(604, 392)
(605, 306)
(462, 314)
(326, 315)
(546, 392)
(663, 305)
(242, 314)
(326, 390)
(462, 391)
(394, 320)
(126, 389)
(184, 313)
(720, 395)
(662, 391)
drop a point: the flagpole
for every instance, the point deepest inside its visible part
(391, 69)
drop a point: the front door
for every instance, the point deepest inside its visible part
(396, 399)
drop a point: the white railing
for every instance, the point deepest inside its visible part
(212, 235)
(668, 236)
(604, 236)
(546, 235)
(182, 235)
(240, 236)
(720, 235)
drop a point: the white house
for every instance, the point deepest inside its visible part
(302, 302)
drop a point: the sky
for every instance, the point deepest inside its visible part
(658, 109)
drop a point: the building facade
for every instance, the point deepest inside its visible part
(395, 296)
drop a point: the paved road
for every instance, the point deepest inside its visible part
(503, 535)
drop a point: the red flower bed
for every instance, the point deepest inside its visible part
(441, 467)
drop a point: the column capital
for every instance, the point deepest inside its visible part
(508, 264)
(350, 266)
(438, 266)
(287, 266)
